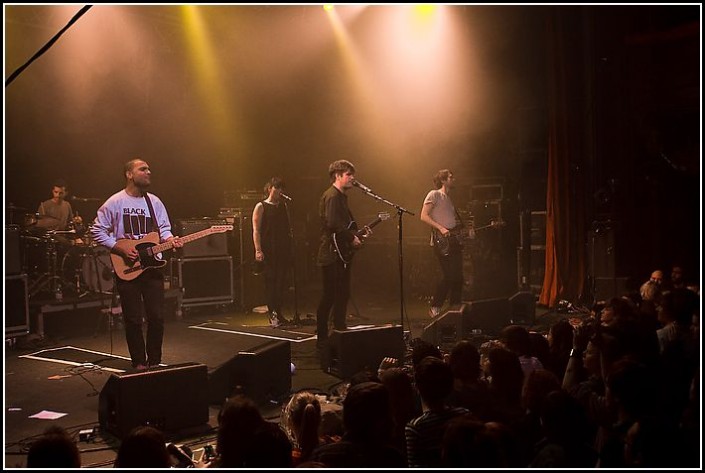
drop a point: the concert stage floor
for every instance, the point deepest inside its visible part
(65, 371)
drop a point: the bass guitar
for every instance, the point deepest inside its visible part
(150, 251)
(342, 245)
(457, 235)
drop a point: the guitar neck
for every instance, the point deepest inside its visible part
(361, 233)
(462, 229)
(168, 245)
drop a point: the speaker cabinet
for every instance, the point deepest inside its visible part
(13, 260)
(262, 373)
(474, 318)
(212, 245)
(16, 306)
(607, 288)
(205, 280)
(352, 351)
(487, 316)
(250, 291)
(446, 329)
(170, 398)
(523, 305)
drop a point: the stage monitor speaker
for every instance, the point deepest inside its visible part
(446, 329)
(13, 260)
(262, 373)
(523, 308)
(171, 399)
(353, 351)
(215, 244)
(486, 316)
(607, 288)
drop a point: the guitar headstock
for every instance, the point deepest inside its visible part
(383, 216)
(497, 223)
(221, 228)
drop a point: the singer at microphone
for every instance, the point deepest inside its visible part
(361, 186)
(272, 241)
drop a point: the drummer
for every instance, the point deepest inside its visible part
(56, 214)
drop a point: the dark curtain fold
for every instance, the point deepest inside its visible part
(569, 136)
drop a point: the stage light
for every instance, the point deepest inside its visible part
(328, 7)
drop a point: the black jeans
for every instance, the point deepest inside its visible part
(336, 292)
(147, 288)
(452, 268)
(276, 278)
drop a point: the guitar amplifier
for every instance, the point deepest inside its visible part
(210, 245)
(205, 281)
(16, 306)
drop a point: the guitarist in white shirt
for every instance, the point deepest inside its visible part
(439, 212)
(127, 215)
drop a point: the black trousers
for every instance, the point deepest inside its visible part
(143, 298)
(276, 278)
(336, 292)
(452, 281)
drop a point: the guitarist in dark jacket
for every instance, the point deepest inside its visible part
(337, 219)
(447, 233)
(129, 215)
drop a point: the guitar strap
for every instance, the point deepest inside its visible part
(461, 223)
(152, 221)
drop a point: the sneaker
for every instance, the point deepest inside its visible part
(141, 367)
(274, 320)
(434, 312)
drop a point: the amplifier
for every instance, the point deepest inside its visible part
(215, 244)
(242, 198)
(205, 281)
(16, 306)
(13, 260)
(231, 215)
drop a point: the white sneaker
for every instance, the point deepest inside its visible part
(434, 312)
(274, 320)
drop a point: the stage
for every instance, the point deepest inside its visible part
(63, 371)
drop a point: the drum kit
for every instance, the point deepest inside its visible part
(59, 262)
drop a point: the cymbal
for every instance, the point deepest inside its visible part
(13, 207)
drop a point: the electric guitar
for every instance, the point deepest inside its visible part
(150, 251)
(458, 234)
(343, 248)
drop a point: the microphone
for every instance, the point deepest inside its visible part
(286, 197)
(361, 186)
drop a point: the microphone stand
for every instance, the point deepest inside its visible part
(400, 212)
(297, 317)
